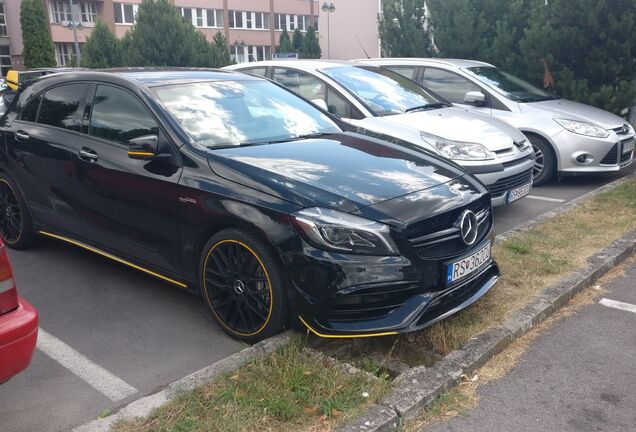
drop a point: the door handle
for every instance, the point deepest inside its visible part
(88, 154)
(22, 136)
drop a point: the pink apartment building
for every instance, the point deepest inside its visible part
(251, 27)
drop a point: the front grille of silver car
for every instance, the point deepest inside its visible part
(447, 242)
(611, 158)
(516, 161)
(622, 130)
(505, 184)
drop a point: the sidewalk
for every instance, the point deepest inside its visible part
(579, 376)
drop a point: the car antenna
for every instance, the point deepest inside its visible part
(362, 46)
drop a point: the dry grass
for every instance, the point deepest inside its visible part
(290, 390)
(465, 397)
(537, 258)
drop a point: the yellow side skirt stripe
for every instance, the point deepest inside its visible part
(352, 336)
(113, 257)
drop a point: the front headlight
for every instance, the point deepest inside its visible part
(458, 150)
(583, 128)
(342, 232)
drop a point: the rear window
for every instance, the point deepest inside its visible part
(61, 106)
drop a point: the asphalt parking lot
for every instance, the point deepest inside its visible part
(110, 334)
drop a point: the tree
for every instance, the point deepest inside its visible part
(220, 50)
(297, 41)
(311, 46)
(403, 29)
(588, 49)
(38, 49)
(162, 37)
(102, 48)
(284, 43)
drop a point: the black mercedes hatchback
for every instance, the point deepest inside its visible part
(232, 187)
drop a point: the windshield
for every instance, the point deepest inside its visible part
(510, 86)
(383, 91)
(227, 113)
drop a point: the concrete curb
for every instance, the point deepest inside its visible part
(144, 406)
(417, 388)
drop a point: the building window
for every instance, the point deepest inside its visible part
(125, 13)
(205, 18)
(65, 54)
(61, 11)
(5, 58)
(3, 22)
(249, 20)
(250, 53)
(292, 22)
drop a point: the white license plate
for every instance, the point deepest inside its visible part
(467, 265)
(628, 146)
(518, 193)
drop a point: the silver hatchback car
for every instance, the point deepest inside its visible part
(384, 104)
(568, 137)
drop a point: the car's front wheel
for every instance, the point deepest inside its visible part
(243, 285)
(16, 225)
(544, 162)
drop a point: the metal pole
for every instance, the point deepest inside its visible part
(328, 35)
(78, 57)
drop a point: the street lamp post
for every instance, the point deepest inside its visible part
(328, 9)
(75, 24)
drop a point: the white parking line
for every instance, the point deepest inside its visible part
(96, 376)
(618, 305)
(542, 198)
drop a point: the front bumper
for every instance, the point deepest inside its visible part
(604, 154)
(504, 175)
(349, 296)
(18, 336)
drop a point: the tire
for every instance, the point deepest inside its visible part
(243, 285)
(545, 162)
(16, 225)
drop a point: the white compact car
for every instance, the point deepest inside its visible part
(568, 137)
(385, 104)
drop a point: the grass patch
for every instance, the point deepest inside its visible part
(290, 390)
(537, 258)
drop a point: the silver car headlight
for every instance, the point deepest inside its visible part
(458, 150)
(342, 232)
(583, 128)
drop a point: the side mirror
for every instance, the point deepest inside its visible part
(13, 79)
(320, 103)
(475, 98)
(143, 147)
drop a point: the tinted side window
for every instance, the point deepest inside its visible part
(408, 71)
(30, 112)
(61, 106)
(301, 83)
(451, 86)
(119, 116)
(257, 71)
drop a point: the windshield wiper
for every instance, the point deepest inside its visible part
(427, 106)
(275, 141)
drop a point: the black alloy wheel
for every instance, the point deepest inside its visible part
(241, 284)
(16, 227)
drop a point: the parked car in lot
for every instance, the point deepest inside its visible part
(18, 319)
(384, 104)
(568, 137)
(231, 186)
